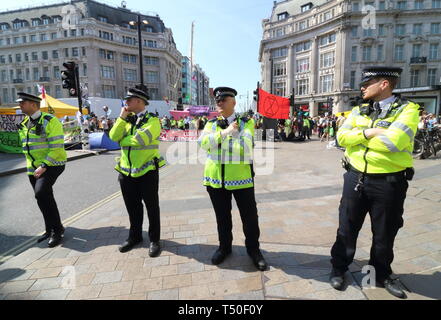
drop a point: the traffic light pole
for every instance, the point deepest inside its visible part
(77, 84)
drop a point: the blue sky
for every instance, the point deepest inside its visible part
(227, 35)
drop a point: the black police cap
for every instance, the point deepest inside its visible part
(137, 93)
(370, 73)
(221, 92)
(23, 96)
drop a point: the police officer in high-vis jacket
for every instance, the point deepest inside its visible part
(137, 132)
(378, 136)
(228, 141)
(42, 138)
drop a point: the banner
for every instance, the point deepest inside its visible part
(72, 132)
(9, 137)
(199, 110)
(272, 106)
(179, 135)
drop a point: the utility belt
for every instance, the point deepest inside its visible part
(407, 174)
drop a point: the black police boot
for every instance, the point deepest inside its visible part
(258, 260)
(128, 245)
(55, 239)
(154, 249)
(393, 287)
(219, 256)
(43, 237)
(337, 279)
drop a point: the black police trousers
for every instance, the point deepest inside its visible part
(384, 199)
(136, 190)
(45, 197)
(246, 202)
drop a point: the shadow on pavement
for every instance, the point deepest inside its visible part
(10, 274)
(427, 285)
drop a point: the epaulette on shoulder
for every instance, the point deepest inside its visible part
(152, 114)
(48, 117)
(212, 120)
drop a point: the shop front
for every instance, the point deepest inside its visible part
(426, 97)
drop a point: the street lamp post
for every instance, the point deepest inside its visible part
(141, 71)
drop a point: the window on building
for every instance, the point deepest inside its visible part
(149, 29)
(354, 31)
(54, 54)
(133, 58)
(154, 93)
(152, 76)
(400, 29)
(355, 6)
(416, 50)
(83, 51)
(436, 4)
(368, 32)
(279, 88)
(306, 7)
(280, 32)
(17, 40)
(84, 69)
(303, 46)
(54, 35)
(380, 54)
(302, 87)
(327, 59)
(399, 52)
(367, 53)
(65, 33)
(381, 30)
(302, 26)
(131, 41)
(401, 5)
(57, 74)
(152, 44)
(431, 77)
(107, 72)
(130, 75)
(82, 32)
(354, 54)
(2, 42)
(34, 56)
(414, 78)
(46, 72)
(58, 92)
(44, 55)
(10, 58)
(327, 83)
(106, 35)
(382, 5)
(419, 4)
(18, 57)
(35, 74)
(109, 91)
(5, 95)
(435, 28)
(19, 74)
(33, 38)
(4, 26)
(28, 74)
(102, 19)
(2, 59)
(352, 79)
(57, 19)
(126, 58)
(46, 20)
(282, 16)
(433, 51)
(66, 52)
(75, 52)
(325, 40)
(279, 69)
(279, 52)
(36, 22)
(73, 32)
(302, 65)
(43, 37)
(3, 76)
(26, 57)
(151, 61)
(418, 28)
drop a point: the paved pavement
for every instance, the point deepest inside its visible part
(298, 219)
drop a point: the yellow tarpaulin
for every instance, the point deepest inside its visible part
(7, 111)
(58, 108)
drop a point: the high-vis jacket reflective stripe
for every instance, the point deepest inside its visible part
(46, 146)
(388, 152)
(229, 160)
(139, 145)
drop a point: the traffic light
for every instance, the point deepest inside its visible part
(69, 79)
(291, 100)
(256, 95)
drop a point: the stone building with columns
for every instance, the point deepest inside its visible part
(35, 42)
(318, 49)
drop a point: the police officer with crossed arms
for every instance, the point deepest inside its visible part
(378, 136)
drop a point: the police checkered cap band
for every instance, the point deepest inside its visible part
(225, 93)
(381, 74)
(131, 94)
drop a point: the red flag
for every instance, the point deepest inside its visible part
(272, 106)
